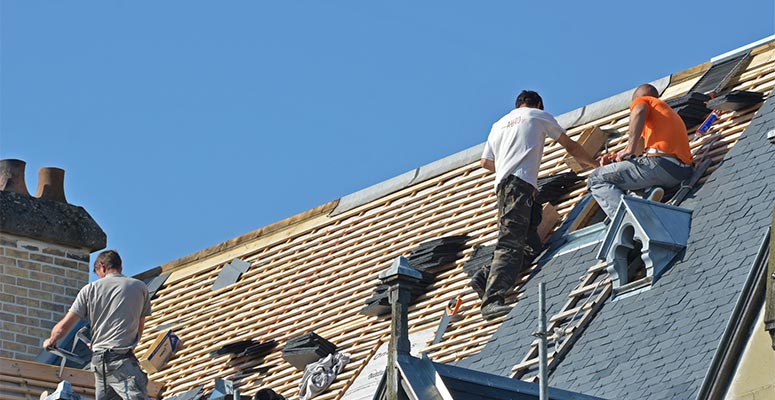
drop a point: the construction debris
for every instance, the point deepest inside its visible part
(160, 351)
(319, 375)
(64, 392)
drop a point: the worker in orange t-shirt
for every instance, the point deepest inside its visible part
(665, 162)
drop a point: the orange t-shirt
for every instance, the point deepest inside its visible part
(664, 129)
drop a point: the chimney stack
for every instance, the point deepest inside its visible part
(12, 176)
(46, 245)
(51, 184)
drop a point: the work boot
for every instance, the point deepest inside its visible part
(494, 310)
(655, 194)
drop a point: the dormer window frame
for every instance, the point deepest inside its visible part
(661, 230)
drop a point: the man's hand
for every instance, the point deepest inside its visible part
(606, 159)
(49, 344)
(624, 155)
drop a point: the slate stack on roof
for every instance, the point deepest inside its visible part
(305, 349)
(429, 258)
(432, 255)
(736, 100)
(691, 107)
(551, 188)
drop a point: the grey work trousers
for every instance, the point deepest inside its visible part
(609, 182)
(118, 376)
(518, 241)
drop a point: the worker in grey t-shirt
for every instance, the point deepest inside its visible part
(116, 307)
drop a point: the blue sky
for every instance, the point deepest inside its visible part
(182, 124)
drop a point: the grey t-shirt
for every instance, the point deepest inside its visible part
(113, 306)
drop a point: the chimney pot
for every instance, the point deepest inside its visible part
(51, 184)
(12, 176)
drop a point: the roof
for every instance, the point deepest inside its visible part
(314, 271)
(660, 343)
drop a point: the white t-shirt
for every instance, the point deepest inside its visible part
(516, 143)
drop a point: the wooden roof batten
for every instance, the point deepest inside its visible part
(315, 270)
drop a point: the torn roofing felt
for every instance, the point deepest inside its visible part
(659, 343)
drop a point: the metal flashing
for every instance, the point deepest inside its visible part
(400, 267)
(447, 164)
(373, 192)
(605, 107)
(737, 51)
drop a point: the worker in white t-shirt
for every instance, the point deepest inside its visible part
(513, 151)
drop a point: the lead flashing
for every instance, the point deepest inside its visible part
(605, 107)
(407, 179)
(449, 163)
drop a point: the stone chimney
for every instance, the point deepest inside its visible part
(44, 257)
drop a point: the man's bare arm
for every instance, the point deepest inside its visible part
(60, 329)
(638, 116)
(575, 150)
(488, 164)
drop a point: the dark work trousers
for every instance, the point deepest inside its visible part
(518, 241)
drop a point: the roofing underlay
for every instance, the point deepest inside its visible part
(314, 271)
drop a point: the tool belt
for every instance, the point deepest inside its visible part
(110, 356)
(650, 152)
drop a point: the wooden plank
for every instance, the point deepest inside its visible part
(43, 375)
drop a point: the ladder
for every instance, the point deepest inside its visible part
(584, 301)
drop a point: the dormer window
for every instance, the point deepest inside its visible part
(642, 241)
